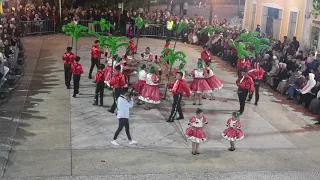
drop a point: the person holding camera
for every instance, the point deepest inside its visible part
(124, 104)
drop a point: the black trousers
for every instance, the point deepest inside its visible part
(76, 83)
(176, 107)
(256, 91)
(94, 62)
(306, 98)
(184, 12)
(116, 94)
(123, 122)
(99, 92)
(67, 74)
(242, 94)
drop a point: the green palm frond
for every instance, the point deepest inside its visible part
(211, 30)
(167, 50)
(140, 22)
(182, 25)
(172, 57)
(180, 53)
(241, 51)
(104, 25)
(69, 28)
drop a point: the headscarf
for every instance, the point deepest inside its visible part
(181, 66)
(236, 115)
(142, 67)
(151, 70)
(199, 111)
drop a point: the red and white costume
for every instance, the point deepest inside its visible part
(199, 84)
(108, 70)
(150, 92)
(206, 56)
(213, 81)
(147, 56)
(256, 73)
(243, 64)
(195, 132)
(139, 85)
(233, 132)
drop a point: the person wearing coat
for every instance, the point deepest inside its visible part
(305, 95)
(314, 107)
(274, 71)
(282, 75)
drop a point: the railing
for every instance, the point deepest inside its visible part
(38, 27)
(94, 27)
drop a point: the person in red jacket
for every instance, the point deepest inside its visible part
(243, 64)
(245, 85)
(99, 79)
(117, 82)
(206, 55)
(95, 56)
(180, 86)
(256, 73)
(68, 58)
(76, 70)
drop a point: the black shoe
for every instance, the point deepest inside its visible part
(240, 113)
(256, 103)
(90, 77)
(168, 121)
(74, 95)
(95, 104)
(289, 98)
(232, 149)
(317, 123)
(101, 105)
(110, 111)
(179, 118)
(248, 100)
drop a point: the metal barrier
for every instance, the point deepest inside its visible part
(94, 27)
(38, 27)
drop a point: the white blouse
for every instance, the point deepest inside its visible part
(142, 75)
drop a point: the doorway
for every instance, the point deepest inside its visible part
(292, 25)
(271, 22)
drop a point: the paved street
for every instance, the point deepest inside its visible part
(45, 133)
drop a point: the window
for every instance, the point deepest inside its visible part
(253, 17)
(292, 24)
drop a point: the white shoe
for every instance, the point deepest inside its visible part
(114, 142)
(133, 142)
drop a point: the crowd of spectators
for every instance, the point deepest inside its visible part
(289, 70)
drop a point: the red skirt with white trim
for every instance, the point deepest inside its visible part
(138, 86)
(214, 83)
(150, 94)
(200, 85)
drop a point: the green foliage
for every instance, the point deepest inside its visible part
(209, 29)
(181, 25)
(259, 44)
(181, 66)
(114, 43)
(104, 25)
(172, 56)
(68, 29)
(315, 12)
(151, 69)
(140, 22)
(244, 37)
(240, 48)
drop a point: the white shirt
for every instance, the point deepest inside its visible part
(198, 73)
(123, 106)
(142, 75)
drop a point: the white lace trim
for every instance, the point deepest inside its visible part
(197, 140)
(202, 92)
(148, 100)
(231, 139)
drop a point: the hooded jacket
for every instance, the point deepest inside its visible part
(310, 84)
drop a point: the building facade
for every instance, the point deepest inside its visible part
(277, 18)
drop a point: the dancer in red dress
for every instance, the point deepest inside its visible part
(108, 69)
(199, 85)
(142, 75)
(233, 132)
(206, 55)
(150, 92)
(131, 49)
(195, 131)
(147, 55)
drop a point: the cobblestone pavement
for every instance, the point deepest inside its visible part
(58, 136)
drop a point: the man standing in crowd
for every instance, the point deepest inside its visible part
(295, 43)
(117, 82)
(256, 73)
(95, 56)
(245, 85)
(99, 79)
(185, 7)
(180, 86)
(124, 104)
(169, 28)
(68, 59)
(77, 70)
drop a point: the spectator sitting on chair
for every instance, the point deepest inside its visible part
(282, 75)
(294, 82)
(305, 95)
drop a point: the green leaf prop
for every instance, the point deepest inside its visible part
(244, 37)
(104, 25)
(80, 31)
(209, 29)
(68, 29)
(258, 44)
(100, 38)
(140, 22)
(240, 48)
(114, 43)
(181, 26)
(172, 56)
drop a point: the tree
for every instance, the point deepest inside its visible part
(76, 32)
(140, 23)
(210, 30)
(172, 58)
(180, 27)
(104, 25)
(241, 51)
(69, 30)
